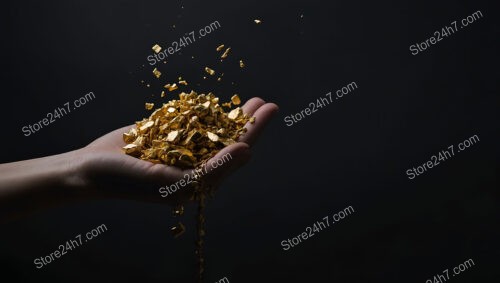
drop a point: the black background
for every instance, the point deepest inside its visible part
(353, 152)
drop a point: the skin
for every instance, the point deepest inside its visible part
(101, 171)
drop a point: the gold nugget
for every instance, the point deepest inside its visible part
(156, 48)
(235, 99)
(224, 55)
(220, 47)
(209, 71)
(156, 73)
(242, 65)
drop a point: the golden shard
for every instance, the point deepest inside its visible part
(149, 106)
(156, 48)
(252, 120)
(209, 71)
(183, 82)
(156, 73)
(162, 93)
(235, 99)
(257, 21)
(242, 65)
(220, 47)
(235, 113)
(224, 55)
(213, 137)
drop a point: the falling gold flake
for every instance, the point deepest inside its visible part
(219, 79)
(162, 93)
(242, 64)
(224, 55)
(183, 82)
(235, 99)
(156, 73)
(257, 21)
(156, 48)
(220, 47)
(149, 106)
(209, 71)
(170, 87)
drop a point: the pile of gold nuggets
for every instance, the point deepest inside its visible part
(186, 132)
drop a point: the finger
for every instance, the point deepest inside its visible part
(262, 117)
(252, 105)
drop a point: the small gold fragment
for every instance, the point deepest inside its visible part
(235, 99)
(162, 93)
(257, 21)
(183, 82)
(242, 65)
(156, 73)
(178, 230)
(170, 87)
(149, 106)
(156, 48)
(213, 137)
(220, 47)
(235, 113)
(209, 71)
(224, 55)
(252, 120)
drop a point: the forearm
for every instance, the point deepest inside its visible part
(30, 185)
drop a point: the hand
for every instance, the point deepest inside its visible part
(106, 171)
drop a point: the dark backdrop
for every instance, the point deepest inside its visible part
(353, 152)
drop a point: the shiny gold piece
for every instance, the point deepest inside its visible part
(171, 87)
(252, 120)
(209, 71)
(235, 99)
(156, 48)
(162, 93)
(235, 113)
(224, 55)
(178, 230)
(178, 210)
(242, 65)
(186, 132)
(156, 73)
(257, 21)
(149, 106)
(220, 47)
(183, 82)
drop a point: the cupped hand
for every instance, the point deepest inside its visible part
(106, 171)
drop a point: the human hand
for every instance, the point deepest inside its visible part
(105, 171)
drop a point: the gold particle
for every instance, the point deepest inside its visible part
(156, 48)
(220, 47)
(156, 73)
(209, 71)
(183, 82)
(224, 55)
(257, 21)
(162, 93)
(235, 99)
(242, 64)
(149, 106)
